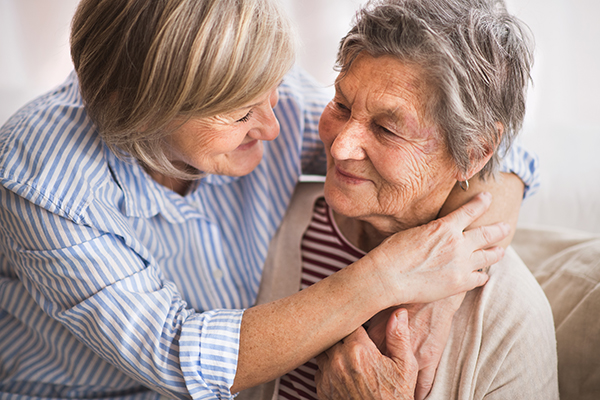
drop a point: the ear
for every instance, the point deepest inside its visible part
(478, 161)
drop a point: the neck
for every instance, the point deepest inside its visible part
(179, 186)
(361, 234)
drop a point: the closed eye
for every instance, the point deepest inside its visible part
(341, 106)
(385, 132)
(246, 117)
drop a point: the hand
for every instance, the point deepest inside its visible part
(430, 326)
(355, 369)
(437, 260)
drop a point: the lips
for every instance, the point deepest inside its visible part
(347, 176)
(246, 146)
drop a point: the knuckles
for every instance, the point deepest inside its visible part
(351, 361)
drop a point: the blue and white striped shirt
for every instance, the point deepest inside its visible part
(113, 286)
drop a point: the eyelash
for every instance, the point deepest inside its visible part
(246, 117)
(341, 109)
(385, 130)
(341, 106)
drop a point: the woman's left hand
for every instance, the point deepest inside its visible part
(355, 368)
(430, 326)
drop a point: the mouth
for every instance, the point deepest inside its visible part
(348, 177)
(246, 146)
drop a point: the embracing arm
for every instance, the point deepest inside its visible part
(430, 323)
(279, 336)
(120, 306)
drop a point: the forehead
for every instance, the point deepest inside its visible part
(385, 85)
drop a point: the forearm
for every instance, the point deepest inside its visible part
(279, 336)
(507, 192)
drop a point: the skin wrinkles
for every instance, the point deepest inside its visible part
(228, 144)
(388, 167)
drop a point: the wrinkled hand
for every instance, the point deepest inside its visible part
(439, 259)
(430, 326)
(355, 369)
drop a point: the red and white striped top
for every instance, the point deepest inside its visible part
(324, 251)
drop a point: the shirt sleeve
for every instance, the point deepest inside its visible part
(118, 304)
(525, 165)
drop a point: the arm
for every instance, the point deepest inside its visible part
(518, 179)
(507, 192)
(430, 323)
(279, 336)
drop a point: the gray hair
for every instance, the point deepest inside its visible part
(475, 56)
(142, 64)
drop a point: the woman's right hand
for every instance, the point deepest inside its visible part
(439, 259)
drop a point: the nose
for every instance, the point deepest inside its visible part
(269, 128)
(349, 143)
(274, 97)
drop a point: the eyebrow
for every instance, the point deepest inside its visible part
(338, 89)
(255, 104)
(398, 117)
(248, 106)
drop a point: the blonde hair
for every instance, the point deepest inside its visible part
(141, 64)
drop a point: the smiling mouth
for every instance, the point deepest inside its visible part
(349, 177)
(246, 146)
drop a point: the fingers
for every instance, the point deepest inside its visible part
(356, 338)
(398, 343)
(399, 347)
(424, 382)
(476, 279)
(487, 236)
(482, 259)
(468, 213)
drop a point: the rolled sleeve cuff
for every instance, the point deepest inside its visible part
(209, 359)
(525, 165)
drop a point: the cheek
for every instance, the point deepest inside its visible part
(328, 128)
(398, 166)
(407, 176)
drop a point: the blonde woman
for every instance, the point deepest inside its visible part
(138, 199)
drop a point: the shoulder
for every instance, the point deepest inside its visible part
(51, 153)
(300, 86)
(512, 321)
(301, 97)
(510, 307)
(512, 284)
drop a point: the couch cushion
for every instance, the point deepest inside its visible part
(568, 269)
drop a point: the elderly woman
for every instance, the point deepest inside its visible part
(429, 90)
(138, 199)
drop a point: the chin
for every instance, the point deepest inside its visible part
(245, 164)
(341, 202)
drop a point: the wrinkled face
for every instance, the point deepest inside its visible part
(229, 144)
(386, 161)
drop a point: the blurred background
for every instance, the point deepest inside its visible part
(563, 105)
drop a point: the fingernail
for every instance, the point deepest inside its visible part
(402, 316)
(486, 194)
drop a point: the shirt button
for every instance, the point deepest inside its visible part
(217, 273)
